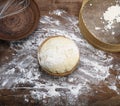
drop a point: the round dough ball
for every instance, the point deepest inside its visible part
(58, 55)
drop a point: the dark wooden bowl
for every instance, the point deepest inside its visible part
(20, 25)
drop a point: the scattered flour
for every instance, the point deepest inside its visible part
(113, 88)
(91, 4)
(5, 82)
(97, 28)
(11, 71)
(26, 99)
(119, 77)
(24, 68)
(113, 33)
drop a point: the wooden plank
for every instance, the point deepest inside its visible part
(72, 6)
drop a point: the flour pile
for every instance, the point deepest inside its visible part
(112, 15)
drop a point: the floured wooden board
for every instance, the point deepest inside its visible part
(96, 82)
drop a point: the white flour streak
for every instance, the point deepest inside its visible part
(26, 99)
(119, 77)
(113, 88)
(97, 28)
(5, 82)
(11, 71)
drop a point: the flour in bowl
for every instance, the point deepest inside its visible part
(112, 15)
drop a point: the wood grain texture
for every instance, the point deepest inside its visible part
(72, 6)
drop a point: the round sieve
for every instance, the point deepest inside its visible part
(99, 23)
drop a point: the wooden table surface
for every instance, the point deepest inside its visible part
(72, 6)
(104, 97)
